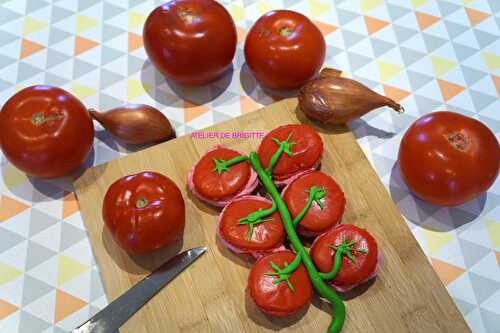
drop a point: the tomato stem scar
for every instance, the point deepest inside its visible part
(186, 14)
(38, 118)
(458, 140)
(285, 31)
(141, 202)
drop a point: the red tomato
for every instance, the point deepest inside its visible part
(447, 159)
(144, 212)
(190, 41)
(350, 273)
(307, 150)
(317, 219)
(212, 186)
(45, 131)
(278, 299)
(284, 49)
(266, 235)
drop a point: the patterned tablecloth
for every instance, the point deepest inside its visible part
(428, 54)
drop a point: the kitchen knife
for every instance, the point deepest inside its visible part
(121, 309)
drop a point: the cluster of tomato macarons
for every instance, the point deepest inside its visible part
(265, 239)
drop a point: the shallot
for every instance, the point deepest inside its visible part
(336, 100)
(135, 123)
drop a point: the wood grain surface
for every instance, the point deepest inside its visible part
(407, 295)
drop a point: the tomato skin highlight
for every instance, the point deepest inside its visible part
(266, 236)
(144, 212)
(278, 300)
(45, 131)
(307, 151)
(447, 158)
(284, 49)
(350, 274)
(191, 42)
(317, 220)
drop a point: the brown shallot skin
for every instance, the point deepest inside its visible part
(135, 123)
(336, 100)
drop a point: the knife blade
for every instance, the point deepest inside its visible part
(121, 309)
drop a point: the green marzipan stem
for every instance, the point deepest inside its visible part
(283, 147)
(284, 273)
(256, 217)
(315, 195)
(223, 165)
(337, 262)
(345, 248)
(321, 287)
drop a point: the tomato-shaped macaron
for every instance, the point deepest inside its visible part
(303, 149)
(279, 295)
(324, 211)
(357, 267)
(144, 212)
(218, 188)
(241, 228)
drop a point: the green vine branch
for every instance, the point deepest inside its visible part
(321, 287)
(255, 218)
(315, 195)
(284, 273)
(283, 147)
(345, 248)
(221, 165)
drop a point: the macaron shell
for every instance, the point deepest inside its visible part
(267, 236)
(249, 187)
(317, 220)
(306, 148)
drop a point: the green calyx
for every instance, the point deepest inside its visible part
(251, 223)
(283, 147)
(221, 165)
(346, 248)
(284, 273)
(316, 194)
(255, 218)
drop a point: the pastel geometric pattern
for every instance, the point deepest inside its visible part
(429, 55)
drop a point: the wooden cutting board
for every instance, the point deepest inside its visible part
(407, 295)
